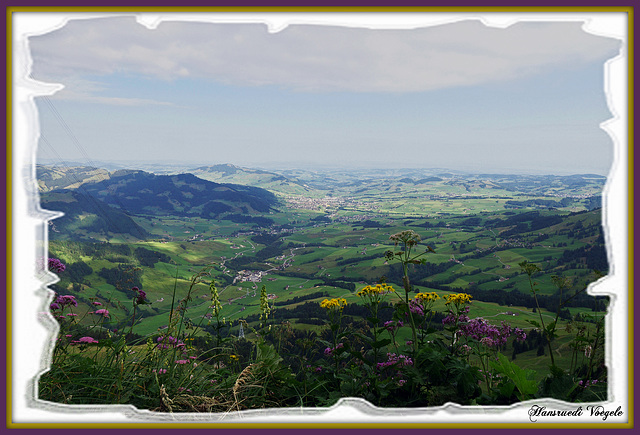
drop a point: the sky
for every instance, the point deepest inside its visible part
(528, 98)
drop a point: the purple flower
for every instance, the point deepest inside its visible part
(54, 306)
(392, 326)
(182, 361)
(416, 308)
(56, 265)
(489, 335)
(141, 296)
(395, 360)
(97, 303)
(330, 351)
(66, 300)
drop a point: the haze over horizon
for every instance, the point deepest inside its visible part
(525, 99)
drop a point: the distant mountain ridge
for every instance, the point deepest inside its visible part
(251, 177)
(54, 177)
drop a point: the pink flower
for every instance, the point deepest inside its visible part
(86, 340)
(182, 361)
(97, 303)
(102, 312)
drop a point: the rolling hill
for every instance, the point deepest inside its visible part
(108, 206)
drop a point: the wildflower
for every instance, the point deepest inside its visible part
(487, 334)
(329, 351)
(97, 304)
(216, 306)
(159, 371)
(141, 296)
(265, 309)
(378, 289)
(407, 237)
(458, 299)
(395, 360)
(56, 265)
(67, 300)
(416, 308)
(72, 315)
(338, 303)
(392, 326)
(86, 340)
(102, 312)
(54, 306)
(487, 341)
(182, 361)
(427, 297)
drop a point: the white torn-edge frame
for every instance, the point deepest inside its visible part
(34, 331)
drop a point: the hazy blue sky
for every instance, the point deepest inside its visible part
(462, 96)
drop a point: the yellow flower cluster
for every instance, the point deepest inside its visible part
(459, 298)
(427, 297)
(378, 289)
(329, 304)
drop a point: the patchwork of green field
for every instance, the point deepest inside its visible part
(315, 247)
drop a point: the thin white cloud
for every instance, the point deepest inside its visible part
(318, 58)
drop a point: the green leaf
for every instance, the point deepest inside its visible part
(380, 343)
(520, 377)
(534, 323)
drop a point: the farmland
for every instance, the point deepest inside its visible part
(335, 241)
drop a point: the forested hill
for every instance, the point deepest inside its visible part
(99, 208)
(140, 192)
